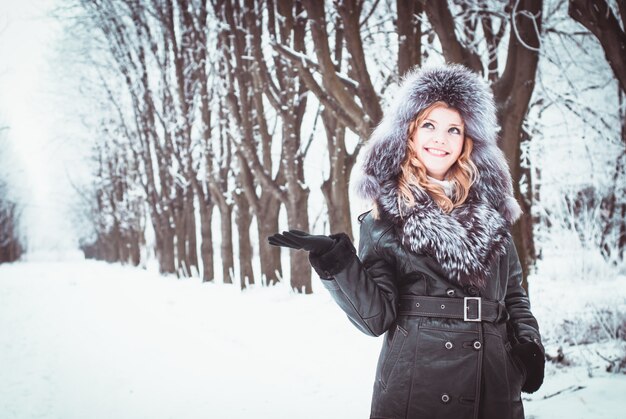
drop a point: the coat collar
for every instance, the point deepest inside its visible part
(464, 242)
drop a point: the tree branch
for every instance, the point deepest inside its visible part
(598, 18)
(441, 19)
(350, 13)
(332, 85)
(521, 64)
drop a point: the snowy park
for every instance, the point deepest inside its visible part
(152, 152)
(90, 339)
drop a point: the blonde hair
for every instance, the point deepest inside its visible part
(462, 174)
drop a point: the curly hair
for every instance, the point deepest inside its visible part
(462, 174)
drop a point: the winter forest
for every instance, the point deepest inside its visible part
(204, 126)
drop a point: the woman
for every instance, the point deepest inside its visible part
(437, 269)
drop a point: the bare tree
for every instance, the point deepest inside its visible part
(172, 30)
(199, 69)
(11, 247)
(125, 34)
(286, 93)
(599, 18)
(116, 206)
(12, 241)
(249, 87)
(144, 44)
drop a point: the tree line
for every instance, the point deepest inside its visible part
(209, 109)
(12, 242)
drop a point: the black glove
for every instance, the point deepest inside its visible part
(297, 239)
(532, 357)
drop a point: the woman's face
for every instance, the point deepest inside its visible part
(438, 141)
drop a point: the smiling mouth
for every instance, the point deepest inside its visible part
(435, 152)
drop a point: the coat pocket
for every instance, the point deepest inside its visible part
(517, 363)
(392, 354)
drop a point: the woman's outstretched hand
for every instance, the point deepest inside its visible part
(297, 239)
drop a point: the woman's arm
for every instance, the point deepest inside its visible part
(362, 286)
(527, 340)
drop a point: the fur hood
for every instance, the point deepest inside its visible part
(466, 241)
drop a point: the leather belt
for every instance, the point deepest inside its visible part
(469, 309)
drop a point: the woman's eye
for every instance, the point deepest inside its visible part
(427, 125)
(454, 130)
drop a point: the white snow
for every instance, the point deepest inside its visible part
(84, 339)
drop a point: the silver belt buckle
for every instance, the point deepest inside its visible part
(466, 309)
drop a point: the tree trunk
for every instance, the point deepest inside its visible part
(409, 30)
(243, 219)
(181, 235)
(165, 249)
(522, 230)
(621, 219)
(124, 249)
(335, 188)
(135, 247)
(206, 247)
(192, 244)
(298, 218)
(621, 244)
(518, 82)
(267, 224)
(116, 242)
(226, 247)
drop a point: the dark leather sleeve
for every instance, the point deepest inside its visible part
(524, 325)
(362, 286)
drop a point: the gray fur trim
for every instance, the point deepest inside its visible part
(464, 242)
(465, 91)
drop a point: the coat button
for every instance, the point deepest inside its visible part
(449, 345)
(477, 345)
(445, 398)
(450, 292)
(472, 290)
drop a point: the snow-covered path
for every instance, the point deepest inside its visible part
(83, 339)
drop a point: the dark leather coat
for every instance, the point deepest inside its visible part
(432, 367)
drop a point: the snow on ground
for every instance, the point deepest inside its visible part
(84, 339)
